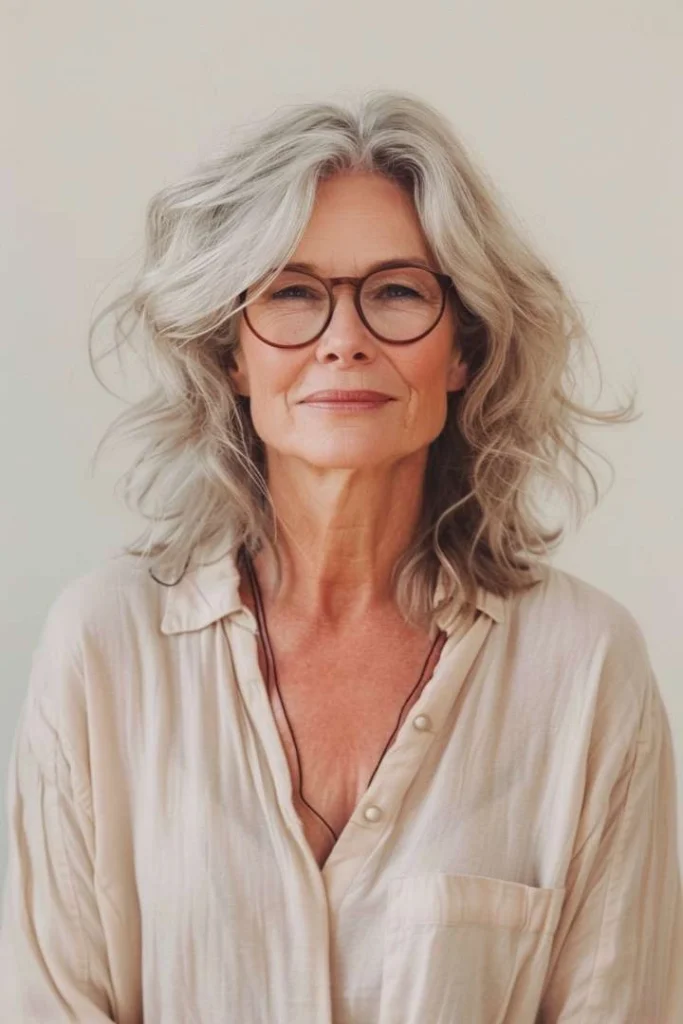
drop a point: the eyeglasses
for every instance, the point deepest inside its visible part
(399, 303)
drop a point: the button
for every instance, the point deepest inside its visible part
(422, 722)
(372, 813)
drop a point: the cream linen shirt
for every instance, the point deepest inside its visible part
(514, 860)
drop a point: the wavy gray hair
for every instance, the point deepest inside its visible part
(234, 222)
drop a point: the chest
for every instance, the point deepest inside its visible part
(338, 704)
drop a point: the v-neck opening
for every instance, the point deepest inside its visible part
(404, 758)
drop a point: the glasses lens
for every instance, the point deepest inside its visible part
(402, 303)
(399, 304)
(291, 310)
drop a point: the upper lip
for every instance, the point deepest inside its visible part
(339, 395)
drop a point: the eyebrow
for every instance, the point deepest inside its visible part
(310, 268)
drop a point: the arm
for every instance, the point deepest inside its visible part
(53, 957)
(618, 953)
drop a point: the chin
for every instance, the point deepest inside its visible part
(343, 461)
(346, 456)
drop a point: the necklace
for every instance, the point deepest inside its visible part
(270, 661)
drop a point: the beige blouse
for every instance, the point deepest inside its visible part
(513, 860)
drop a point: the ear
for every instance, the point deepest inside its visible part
(457, 374)
(237, 372)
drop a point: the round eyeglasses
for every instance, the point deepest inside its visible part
(399, 303)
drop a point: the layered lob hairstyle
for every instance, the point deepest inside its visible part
(200, 475)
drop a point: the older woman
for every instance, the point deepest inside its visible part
(332, 741)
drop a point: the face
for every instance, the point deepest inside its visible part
(358, 220)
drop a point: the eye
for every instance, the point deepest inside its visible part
(399, 290)
(393, 291)
(294, 291)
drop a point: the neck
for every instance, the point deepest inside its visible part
(339, 535)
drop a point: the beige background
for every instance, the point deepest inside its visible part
(574, 110)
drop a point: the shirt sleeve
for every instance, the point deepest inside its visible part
(53, 958)
(618, 956)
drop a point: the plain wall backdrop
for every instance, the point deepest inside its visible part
(572, 109)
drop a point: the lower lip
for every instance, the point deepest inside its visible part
(349, 406)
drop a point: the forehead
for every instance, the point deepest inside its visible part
(359, 219)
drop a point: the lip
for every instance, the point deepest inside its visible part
(347, 397)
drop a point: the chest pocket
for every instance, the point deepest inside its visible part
(464, 949)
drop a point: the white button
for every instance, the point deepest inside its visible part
(372, 813)
(422, 722)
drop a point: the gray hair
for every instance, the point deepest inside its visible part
(235, 221)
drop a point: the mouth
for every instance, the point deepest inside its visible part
(347, 397)
(348, 407)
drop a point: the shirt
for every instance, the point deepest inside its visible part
(514, 858)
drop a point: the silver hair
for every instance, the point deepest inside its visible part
(235, 221)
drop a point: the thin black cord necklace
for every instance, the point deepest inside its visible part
(270, 661)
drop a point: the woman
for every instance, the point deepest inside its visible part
(332, 741)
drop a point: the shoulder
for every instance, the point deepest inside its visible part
(96, 627)
(573, 606)
(86, 649)
(566, 623)
(93, 605)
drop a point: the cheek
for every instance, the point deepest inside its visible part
(426, 376)
(426, 372)
(267, 411)
(272, 392)
(270, 373)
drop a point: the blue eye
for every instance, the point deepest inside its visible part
(389, 292)
(286, 292)
(403, 290)
(297, 292)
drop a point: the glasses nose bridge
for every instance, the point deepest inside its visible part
(355, 281)
(345, 280)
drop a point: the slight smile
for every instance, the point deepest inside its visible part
(347, 400)
(337, 406)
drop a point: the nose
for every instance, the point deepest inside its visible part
(346, 336)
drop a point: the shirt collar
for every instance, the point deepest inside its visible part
(209, 591)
